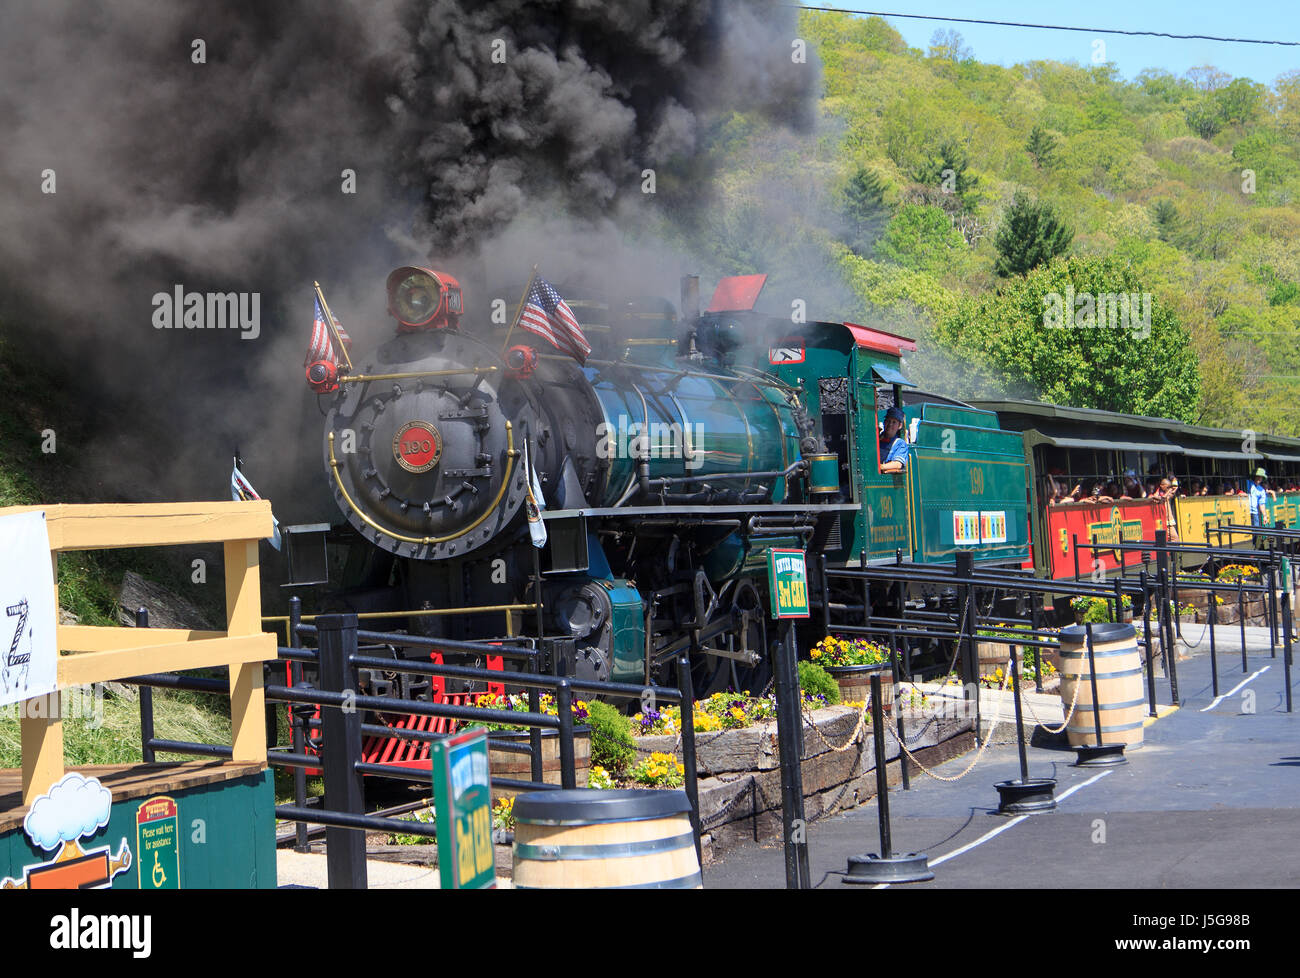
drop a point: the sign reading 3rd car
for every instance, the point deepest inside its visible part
(787, 572)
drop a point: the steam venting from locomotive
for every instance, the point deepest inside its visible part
(210, 147)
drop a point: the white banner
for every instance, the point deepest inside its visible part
(28, 615)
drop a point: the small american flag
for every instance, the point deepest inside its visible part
(322, 346)
(550, 317)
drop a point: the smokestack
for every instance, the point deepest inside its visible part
(690, 298)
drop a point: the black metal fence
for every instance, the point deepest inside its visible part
(342, 725)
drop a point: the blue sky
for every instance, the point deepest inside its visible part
(1267, 19)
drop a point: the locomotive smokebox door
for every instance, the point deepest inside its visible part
(308, 563)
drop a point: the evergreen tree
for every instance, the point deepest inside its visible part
(1165, 216)
(1042, 147)
(1031, 234)
(864, 206)
(946, 168)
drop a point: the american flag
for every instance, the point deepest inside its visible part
(322, 346)
(550, 317)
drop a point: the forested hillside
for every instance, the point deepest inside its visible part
(971, 204)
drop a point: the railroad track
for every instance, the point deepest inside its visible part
(286, 837)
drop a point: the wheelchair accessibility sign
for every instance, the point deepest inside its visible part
(157, 836)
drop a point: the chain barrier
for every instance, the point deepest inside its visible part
(1070, 713)
(997, 717)
(853, 737)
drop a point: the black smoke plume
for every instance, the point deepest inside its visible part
(205, 145)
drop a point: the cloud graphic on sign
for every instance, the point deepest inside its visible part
(76, 806)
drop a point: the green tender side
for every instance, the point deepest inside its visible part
(968, 486)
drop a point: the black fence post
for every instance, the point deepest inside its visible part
(146, 701)
(1270, 581)
(1213, 606)
(898, 717)
(965, 568)
(882, 774)
(345, 849)
(1035, 620)
(1092, 678)
(1241, 618)
(564, 707)
(787, 732)
(1146, 626)
(686, 687)
(296, 725)
(1286, 643)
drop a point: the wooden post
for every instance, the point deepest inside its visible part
(244, 617)
(41, 729)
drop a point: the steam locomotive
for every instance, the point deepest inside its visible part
(663, 469)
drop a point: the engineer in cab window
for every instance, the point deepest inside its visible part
(893, 449)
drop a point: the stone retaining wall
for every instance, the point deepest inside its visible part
(740, 778)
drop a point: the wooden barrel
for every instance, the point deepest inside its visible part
(507, 759)
(993, 656)
(636, 838)
(855, 684)
(1121, 699)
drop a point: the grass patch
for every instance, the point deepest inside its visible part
(106, 730)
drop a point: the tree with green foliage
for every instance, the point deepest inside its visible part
(947, 168)
(1041, 145)
(922, 238)
(1064, 334)
(949, 46)
(1203, 118)
(1031, 233)
(1240, 102)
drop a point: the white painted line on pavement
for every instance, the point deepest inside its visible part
(1223, 696)
(980, 841)
(1002, 828)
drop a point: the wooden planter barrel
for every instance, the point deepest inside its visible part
(1120, 697)
(590, 839)
(518, 765)
(855, 684)
(993, 656)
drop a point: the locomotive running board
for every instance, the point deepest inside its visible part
(769, 509)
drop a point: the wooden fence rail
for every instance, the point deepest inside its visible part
(92, 654)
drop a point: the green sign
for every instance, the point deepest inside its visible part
(462, 798)
(787, 575)
(157, 845)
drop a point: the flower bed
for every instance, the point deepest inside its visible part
(739, 768)
(1098, 610)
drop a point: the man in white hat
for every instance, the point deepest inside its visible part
(1257, 494)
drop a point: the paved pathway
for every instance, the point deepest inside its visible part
(1211, 800)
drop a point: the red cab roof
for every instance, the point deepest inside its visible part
(880, 340)
(737, 293)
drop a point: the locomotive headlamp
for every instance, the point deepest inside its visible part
(420, 298)
(415, 299)
(521, 361)
(323, 377)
